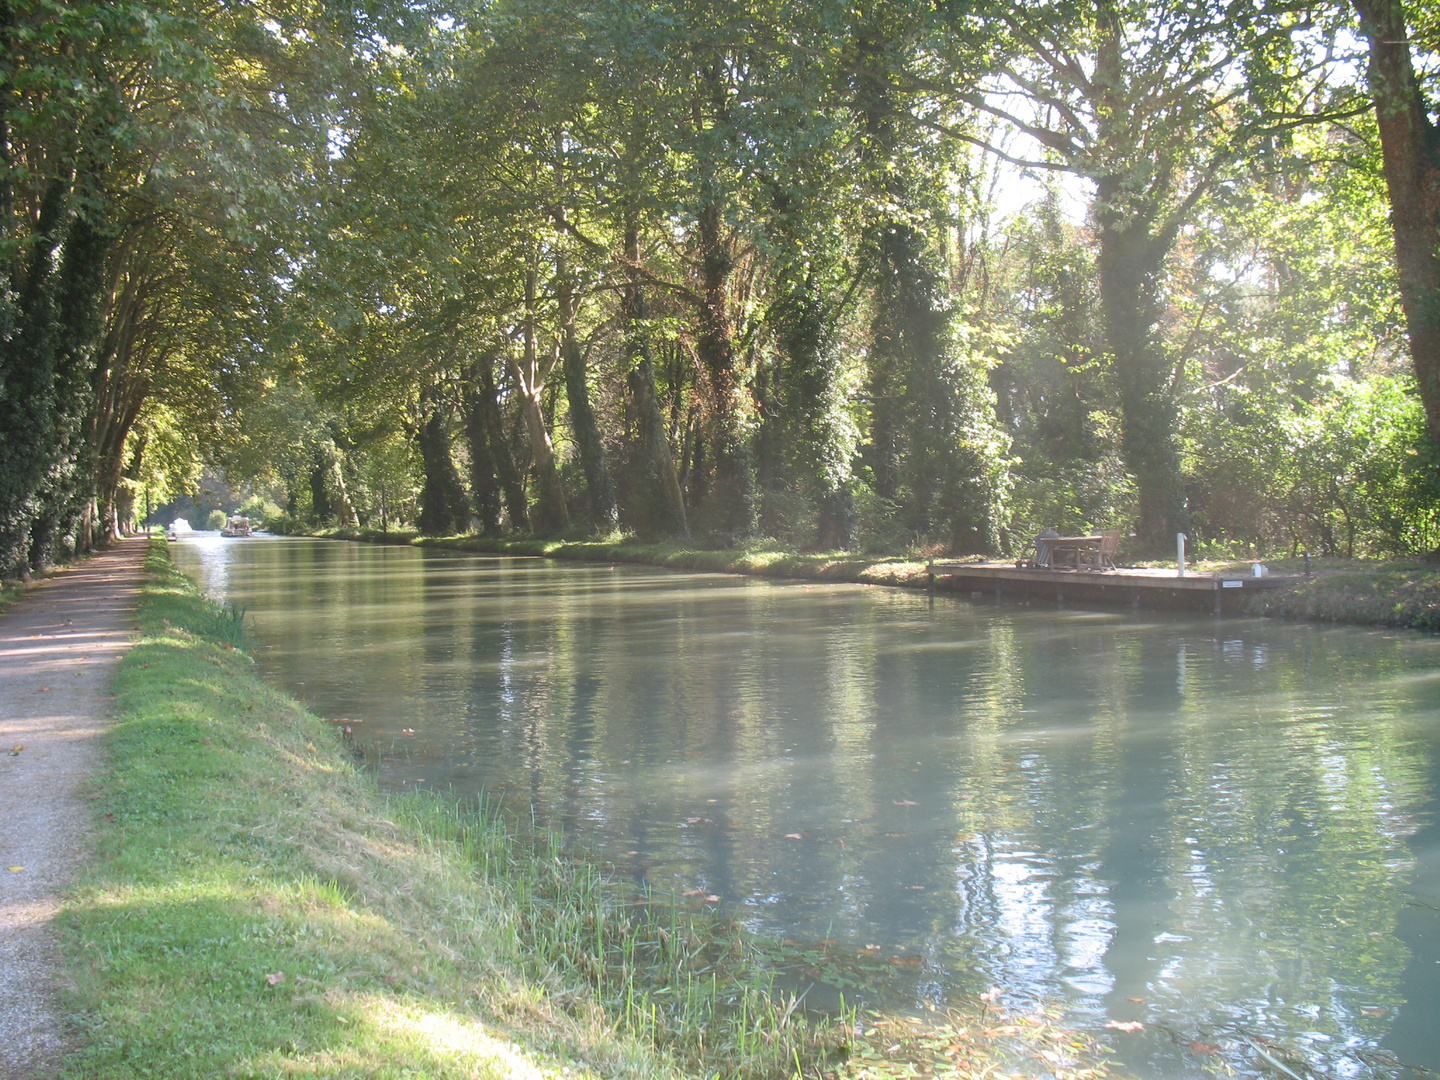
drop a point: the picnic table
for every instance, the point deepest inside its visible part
(1073, 551)
(1077, 552)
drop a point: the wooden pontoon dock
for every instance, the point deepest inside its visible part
(1138, 586)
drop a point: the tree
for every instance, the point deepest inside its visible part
(1410, 141)
(1155, 105)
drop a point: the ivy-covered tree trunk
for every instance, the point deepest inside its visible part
(1410, 142)
(444, 506)
(599, 487)
(49, 322)
(484, 479)
(662, 509)
(512, 480)
(930, 406)
(810, 410)
(731, 495)
(444, 509)
(1129, 264)
(329, 498)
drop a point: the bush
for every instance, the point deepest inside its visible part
(216, 519)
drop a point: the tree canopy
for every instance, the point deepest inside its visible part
(881, 276)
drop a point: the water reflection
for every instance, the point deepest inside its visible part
(1184, 822)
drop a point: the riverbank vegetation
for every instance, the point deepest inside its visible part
(890, 278)
(257, 907)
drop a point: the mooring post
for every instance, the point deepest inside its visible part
(1307, 566)
(930, 577)
(1180, 552)
(1218, 592)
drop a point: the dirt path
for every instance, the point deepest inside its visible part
(58, 651)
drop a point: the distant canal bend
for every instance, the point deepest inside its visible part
(1200, 825)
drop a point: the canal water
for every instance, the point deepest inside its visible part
(1215, 828)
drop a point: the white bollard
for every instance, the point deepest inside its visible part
(1180, 552)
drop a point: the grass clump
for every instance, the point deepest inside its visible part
(11, 590)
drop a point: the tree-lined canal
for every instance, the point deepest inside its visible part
(1191, 823)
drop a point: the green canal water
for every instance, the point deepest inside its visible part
(1217, 828)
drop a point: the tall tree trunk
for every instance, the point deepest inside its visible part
(484, 482)
(664, 503)
(1411, 147)
(810, 404)
(512, 480)
(928, 401)
(732, 494)
(1133, 247)
(530, 372)
(599, 487)
(1128, 265)
(444, 508)
(319, 491)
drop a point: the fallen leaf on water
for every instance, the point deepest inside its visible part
(1204, 1048)
(1125, 1025)
(407, 731)
(793, 836)
(15, 869)
(44, 689)
(698, 821)
(1372, 1012)
(276, 978)
(916, 888)
(692, 892)
(16, 749)
(712, 899)
(896, 835)
(1138, 1001)
(1051, 1056)
(905, 961)
(904, 802)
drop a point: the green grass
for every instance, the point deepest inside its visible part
(759, 559)
(1404, 594)
(258, 908)
(10, 591)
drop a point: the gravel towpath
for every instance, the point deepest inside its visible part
(59, 646)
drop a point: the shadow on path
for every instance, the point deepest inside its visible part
(58, 649)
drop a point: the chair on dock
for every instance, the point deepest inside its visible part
(1103, 556)
(1041, 559)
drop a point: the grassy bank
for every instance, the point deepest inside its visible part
(760, 559)
(1400, 593)
(258, 908)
